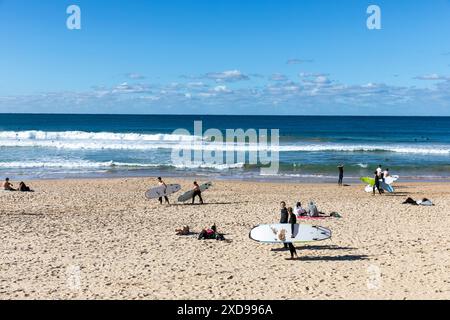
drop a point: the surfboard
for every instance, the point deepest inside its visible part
(272, 233)
(370, 181)
(386, 187)
(161, 191)
(188, 195)
(391, 179)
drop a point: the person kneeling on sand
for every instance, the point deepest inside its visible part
(8, 186)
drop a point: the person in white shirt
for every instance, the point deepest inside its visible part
(299, 211)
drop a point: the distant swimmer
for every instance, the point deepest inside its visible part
(341, 174)
(8, 186)
(197, 192)
(163, 184)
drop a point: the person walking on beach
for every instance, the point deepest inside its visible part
(8, 186)
(292, 221)
(341, 174)
(284, 217)
(197, 192)
(163, 184)
(377, 182)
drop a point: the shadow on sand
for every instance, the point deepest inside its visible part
(333, 258)
(206, 204)
(315, 247)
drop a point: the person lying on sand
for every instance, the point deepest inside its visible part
(183, 232)
(8, 186)
(210, 233)
(24, 188)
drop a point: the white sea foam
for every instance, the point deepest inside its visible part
(82, 164)
(79, 140)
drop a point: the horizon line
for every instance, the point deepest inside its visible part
(221, 115)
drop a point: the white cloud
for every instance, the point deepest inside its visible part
(433, 77)
(227, 76)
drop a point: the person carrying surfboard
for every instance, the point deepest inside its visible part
(377, 182)
(284, 217)
(163, 184)
(197, 192)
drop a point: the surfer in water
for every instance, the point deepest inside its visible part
(284, 217)
(163, 184)
(197, 192)
(341, 174)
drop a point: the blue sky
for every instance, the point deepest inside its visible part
(226, 57)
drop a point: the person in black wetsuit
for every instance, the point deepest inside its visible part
(293, 222)
(197, 192)
(377, 183)
(284, 217)
(341, 174)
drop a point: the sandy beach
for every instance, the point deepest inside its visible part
(102, 239)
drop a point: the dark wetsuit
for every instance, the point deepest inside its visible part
(284, 219)
(377, 185)
(341, 175)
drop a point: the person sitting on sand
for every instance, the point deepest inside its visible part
(197, 192)
(8, 186)
(24, 188)
(182, 232)
(299, 211)
(312, 210)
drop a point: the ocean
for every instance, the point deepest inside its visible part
(56, 146)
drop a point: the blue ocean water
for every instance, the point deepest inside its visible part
(310, 147)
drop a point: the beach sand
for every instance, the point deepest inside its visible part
(101, 239)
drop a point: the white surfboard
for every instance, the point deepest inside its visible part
(273, 233)
(161, 191)
(391, 179)
(188, 195)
